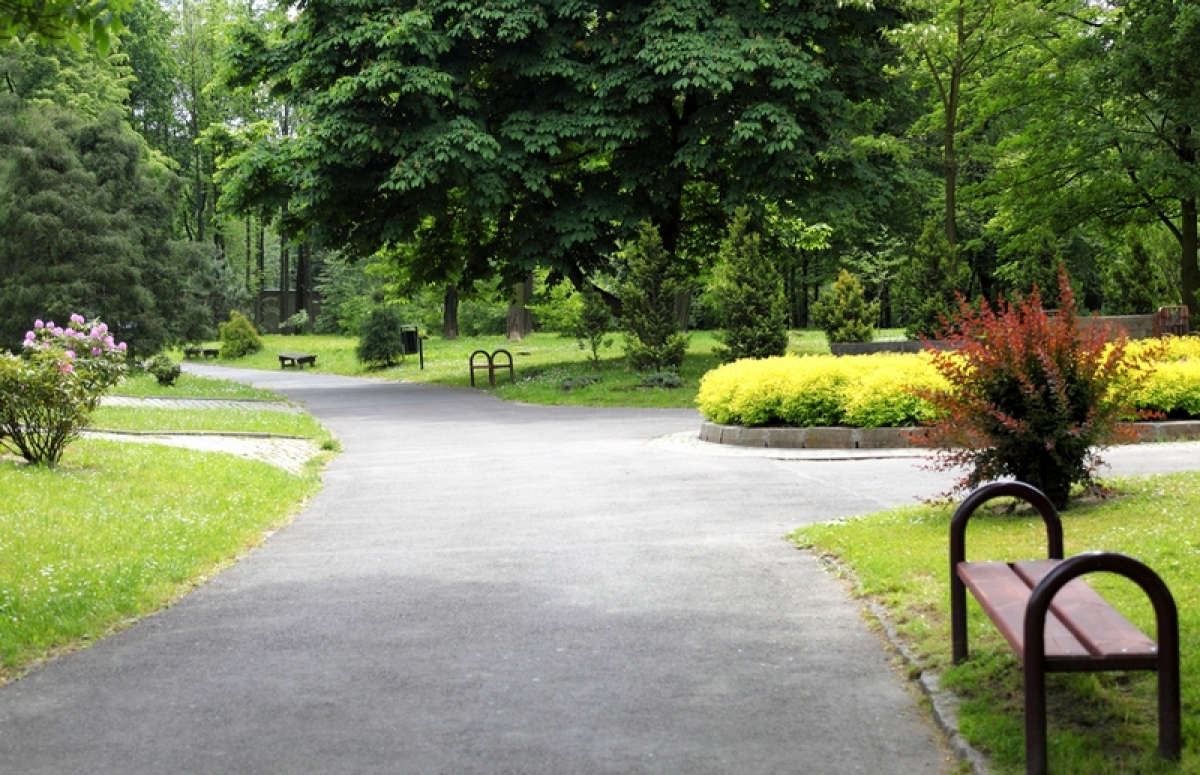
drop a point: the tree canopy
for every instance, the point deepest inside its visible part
(562, 124)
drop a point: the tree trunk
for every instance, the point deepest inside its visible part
(1189, 265)
(303, 277)
(450, 313)
(683, 309)
(261, 269)
(520, 319)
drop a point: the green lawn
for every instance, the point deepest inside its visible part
(142, 384)
(120, 530)
(541, 363)
(1099, 723)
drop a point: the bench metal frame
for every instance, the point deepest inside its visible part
(1035, 661)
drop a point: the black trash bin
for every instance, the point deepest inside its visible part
(410, 340)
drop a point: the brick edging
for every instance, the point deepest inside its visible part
(887, 438)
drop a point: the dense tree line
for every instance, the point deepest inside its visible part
(930, 147)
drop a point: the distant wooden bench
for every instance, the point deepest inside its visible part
(1056, 623)
(197, 352)
(296, 359)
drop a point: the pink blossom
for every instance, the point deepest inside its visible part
(70, 353)
(121, 347)
(65, 368)
(109, 342)
(57, 332)
(77, 318)
(38, 324)
(69, 332)
(30, 336)
(96, 351)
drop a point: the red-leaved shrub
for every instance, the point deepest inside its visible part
(1034, 395)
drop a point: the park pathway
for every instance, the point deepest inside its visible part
(487, 587)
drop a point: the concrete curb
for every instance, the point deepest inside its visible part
(889, 438)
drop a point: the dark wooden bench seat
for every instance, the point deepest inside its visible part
(296, 359)
(1056, 623)
(205, 352)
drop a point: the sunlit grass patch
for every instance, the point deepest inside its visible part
(249, 419)
(118, 531)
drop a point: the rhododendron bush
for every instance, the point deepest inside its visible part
(49, 391)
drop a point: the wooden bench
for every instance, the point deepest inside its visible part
(296, 359)
(1055, 622)
(205, 352)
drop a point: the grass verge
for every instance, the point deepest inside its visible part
(119, 531)
(542, 362)
(120, 418)
(142, 384)
(1098, 722)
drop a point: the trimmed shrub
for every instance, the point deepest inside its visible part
(885, 396)
(380, 343)
(165, 370)
(843, 313)
(748, 292)
(1031, 396)
(654, 342)
(48, 393)
(870, 391)
(238, 337)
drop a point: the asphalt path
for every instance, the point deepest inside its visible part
(488, 587)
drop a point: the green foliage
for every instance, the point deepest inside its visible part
(594, 323)
(165, 370)
(665, 380)
(62, 21)
(238, 337)
(86, 209)
(1031, 396)
(843, 313)
(380, 343)
(648, 289)
(298, 323)
(929, 284)
(48, 393)
(748, 292)
(559, 126)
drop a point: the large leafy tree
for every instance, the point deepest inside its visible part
(1103, 129)
(58, 21)
(560, 125)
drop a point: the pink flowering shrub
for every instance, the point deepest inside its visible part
(48, 392)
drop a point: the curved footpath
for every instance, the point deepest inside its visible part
(486, 587)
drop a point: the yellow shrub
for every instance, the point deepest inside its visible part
(876, 391)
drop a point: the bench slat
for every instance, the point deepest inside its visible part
(1004, 596)
(1100, 627)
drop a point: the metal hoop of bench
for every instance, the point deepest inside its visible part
(1077, 631)
(490, 365)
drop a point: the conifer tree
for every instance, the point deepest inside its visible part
(748, 290)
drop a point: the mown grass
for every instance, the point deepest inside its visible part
(120, 418)
(141, 384)
(542, 362)
(1099, 722)
(117, 531)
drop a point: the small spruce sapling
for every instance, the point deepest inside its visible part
(381, 342)
(594, 325)
(653, 341)
(748, 291)
(843, 312)
(238, 337)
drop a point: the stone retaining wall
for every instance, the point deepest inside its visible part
(888, 438)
